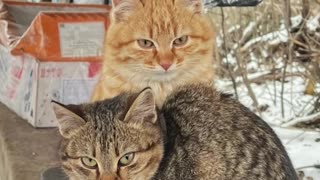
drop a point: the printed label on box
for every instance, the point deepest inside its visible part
(77, 91)
(81, 39)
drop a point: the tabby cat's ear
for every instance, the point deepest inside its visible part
(195, 6)
(68, 120)
(143, 109)
(121, 9)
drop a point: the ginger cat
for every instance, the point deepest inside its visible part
(160, 44)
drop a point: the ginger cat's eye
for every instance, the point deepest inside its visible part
(180, 41)
(145, 44)
(126, 159)
(89, 162)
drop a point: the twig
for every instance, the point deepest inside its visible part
(317, 166)
(289, 52)
(225, 49)
(295, 137)
(267, 76)
(248, 31)
(295, 41)
(244, 75)
(309, 118)
(305, 8)
(282, 86)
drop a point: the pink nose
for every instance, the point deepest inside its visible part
(166, 66)
(108, 177)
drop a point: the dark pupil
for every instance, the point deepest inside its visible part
(180, 40)
(127, 157)
(146, 43)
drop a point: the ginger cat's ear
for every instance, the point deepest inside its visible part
(196, 6)
(68, 118)
(122, 9)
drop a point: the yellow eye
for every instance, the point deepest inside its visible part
(89, 162)
(146, 44)
(180, 41)
(126, 159)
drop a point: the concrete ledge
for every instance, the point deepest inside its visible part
(25, 152)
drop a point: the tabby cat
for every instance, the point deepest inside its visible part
(200, 134)
(160, 44)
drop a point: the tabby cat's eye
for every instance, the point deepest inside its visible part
(145, 44)
(126, 159)
(180, 41)
(89, 162)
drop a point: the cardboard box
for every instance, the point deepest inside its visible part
(30, 80)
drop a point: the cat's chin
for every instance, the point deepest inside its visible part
(151, 77)
(164, 76)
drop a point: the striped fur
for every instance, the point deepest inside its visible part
(200, 134)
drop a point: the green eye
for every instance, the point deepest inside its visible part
(146, 44)
(180, 41)
(89, 162)
(126, 159)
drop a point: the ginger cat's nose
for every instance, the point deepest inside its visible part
(166, 66)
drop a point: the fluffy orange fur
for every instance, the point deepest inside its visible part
(128, 67)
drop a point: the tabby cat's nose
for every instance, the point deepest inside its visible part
(108, 177)
(166, 66)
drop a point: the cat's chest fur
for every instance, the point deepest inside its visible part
(112, 84)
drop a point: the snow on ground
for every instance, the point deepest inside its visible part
(280, 112)
(303, 146)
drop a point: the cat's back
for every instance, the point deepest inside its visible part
(202, 106)
(227, 140)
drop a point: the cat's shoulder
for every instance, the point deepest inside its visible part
(198, 93)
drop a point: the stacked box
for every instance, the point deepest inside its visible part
(60, 62)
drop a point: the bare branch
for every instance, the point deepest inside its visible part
(309, 118)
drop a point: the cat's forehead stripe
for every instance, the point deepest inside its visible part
(101, 119)
(162, 20)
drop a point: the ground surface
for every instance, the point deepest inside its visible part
(24, 151)
(303, 148)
